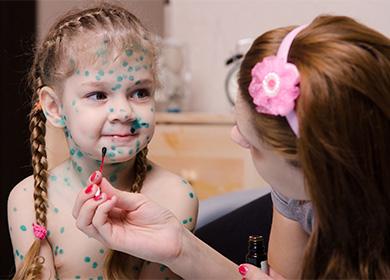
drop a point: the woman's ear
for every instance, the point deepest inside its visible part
(51, 106)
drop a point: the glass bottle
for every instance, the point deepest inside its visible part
(256, 252)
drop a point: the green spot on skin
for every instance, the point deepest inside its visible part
(130, 152)
(184, 222)
(53, 178)
(48, 233)
(113, 178)
(113, 147)
(17, 253)
(94, 265)
(111, 155)
(14, 209)
(117, 86)
(23, 228)
(131, 78)
(124, 63)
(87, 259)
(21, 257)
(79, 169)
(101, 73)
(162, 267)
(101, 251)
(97, 78)
(86, 73)
(62, 229)
(137, 82)
(190, 219)
(141, 58)
(61, 251)
(77, 277)
(56, 210)
(111, 72)
(72, 151)
(191, 195)
(130, 69)
(129, 52)
(79, 154)
(111, 110)
(151, 109)
(78, 72)
(119, 79)
(138, 143)
(73, 102)
(100, 278)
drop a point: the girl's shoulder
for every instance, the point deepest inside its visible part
(173, 192)
(23, 190)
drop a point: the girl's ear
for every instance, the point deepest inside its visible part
(51, 106)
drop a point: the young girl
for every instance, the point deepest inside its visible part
(94, 76)
(314, 110)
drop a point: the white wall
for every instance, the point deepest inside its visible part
(211, 28)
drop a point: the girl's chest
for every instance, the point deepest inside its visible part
(76, 256)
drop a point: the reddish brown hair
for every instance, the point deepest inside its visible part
(343, 147)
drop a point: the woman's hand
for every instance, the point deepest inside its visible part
(129, 222)
(251, 272)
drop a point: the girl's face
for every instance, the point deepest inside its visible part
(110, 104)
(274, 168)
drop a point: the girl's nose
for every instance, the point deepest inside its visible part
(121, 113)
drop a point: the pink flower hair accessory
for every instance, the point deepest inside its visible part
(40, 232)
(275, 83)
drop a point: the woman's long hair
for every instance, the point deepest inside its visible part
(51, 67)
(343, 146)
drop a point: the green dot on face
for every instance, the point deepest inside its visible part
(111, 72)
(184, 222)
(100, 278)
(190, 219)
(62, 229)
(94, 265)
(191, 195)
(79, 169)
(77, 277)
(86, 73)
(17, 253)
(101, 73)
(61, 251)
(14, 209)
(23, 228)
(101, 251)
(119, 79)
(124, 63)
(87, 259)
(56, 210)
(129, 52)
(113, 178)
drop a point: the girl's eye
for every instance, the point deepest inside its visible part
(141, 93)
(97, 95)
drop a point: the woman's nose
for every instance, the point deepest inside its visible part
(237, 137)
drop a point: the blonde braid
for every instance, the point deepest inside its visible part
(141, 167)
(32, 266)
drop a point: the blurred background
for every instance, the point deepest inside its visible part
(202, 42)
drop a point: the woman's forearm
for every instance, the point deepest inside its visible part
(197, 260)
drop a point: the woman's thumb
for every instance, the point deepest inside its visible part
(126, 200)
(251, 272)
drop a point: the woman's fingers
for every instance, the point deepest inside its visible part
(86, 215)
(100, 219)
(82, 197)
(251, 272)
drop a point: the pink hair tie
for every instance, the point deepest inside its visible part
(275, 83)
(39, 231)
